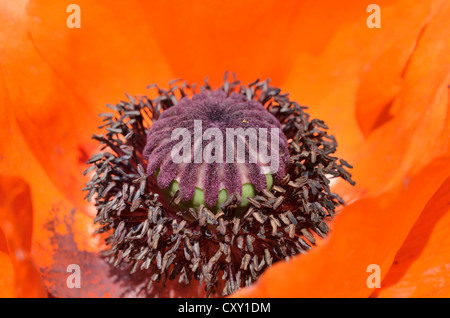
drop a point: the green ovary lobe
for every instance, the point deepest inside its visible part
(248, 190)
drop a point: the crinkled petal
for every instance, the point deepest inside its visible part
(16, 220)
(398, 168)
(383, 77)
(421, 267)
(7, 283)
(369, 231)
(339, 81)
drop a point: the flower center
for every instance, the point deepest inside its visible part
(218, 114)
(212, 146)
(184, 143)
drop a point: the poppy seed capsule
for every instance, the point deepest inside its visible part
(229, 145)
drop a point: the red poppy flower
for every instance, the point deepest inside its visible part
(382, 91)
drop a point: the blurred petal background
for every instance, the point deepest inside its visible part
(384, 93)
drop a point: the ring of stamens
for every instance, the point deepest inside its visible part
(220, 250)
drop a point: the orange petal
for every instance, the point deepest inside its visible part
(50, 208)
(63, 235)
(418, 129)
(57, 79)
(382, 78)
(252, 38)
(16, 220)
(421, 267)
(397, 169)
(7, 283)
(329, 80)
(369, 231)
(113, 52)
(15, 215)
